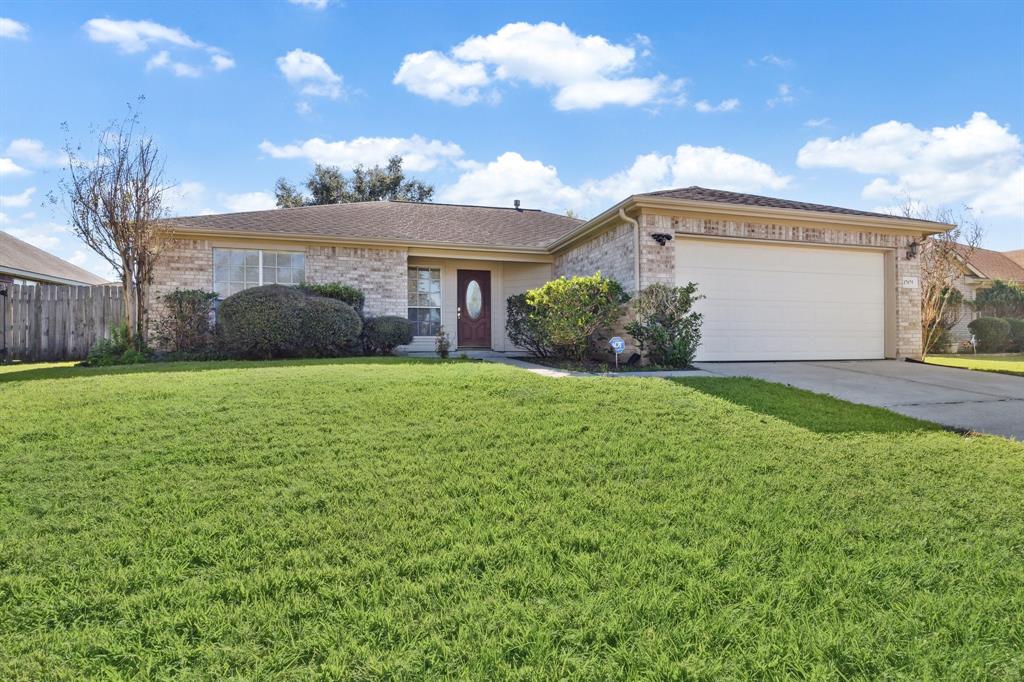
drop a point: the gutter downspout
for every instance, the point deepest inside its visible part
(636, 248)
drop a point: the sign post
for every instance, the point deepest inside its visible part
(618, 345)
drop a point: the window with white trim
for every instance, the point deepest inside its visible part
(425, 300)
(238, 269)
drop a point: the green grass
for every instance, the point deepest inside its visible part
(379, 518)
(1004, 363)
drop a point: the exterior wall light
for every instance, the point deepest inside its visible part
(912, 250)
(661, 238)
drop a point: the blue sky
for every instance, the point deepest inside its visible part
(561, 105)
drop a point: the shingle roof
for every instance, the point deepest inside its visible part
(18, 255)
(994, 265)
(721, 196)
(398, 221)
(1016, 256)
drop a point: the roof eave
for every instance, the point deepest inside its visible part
(43, 277)
(350, 241)
(763, 212)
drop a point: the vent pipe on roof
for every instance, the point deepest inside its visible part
(516, 204)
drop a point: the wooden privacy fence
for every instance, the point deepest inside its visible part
(56, 322)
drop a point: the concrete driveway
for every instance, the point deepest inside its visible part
(958, 398)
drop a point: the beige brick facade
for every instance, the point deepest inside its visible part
(379, 273)
(610, 252)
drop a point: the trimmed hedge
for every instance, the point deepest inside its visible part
(991, 333)
(1016, 335)
(339, 292)
(381, 335)
(276, 321)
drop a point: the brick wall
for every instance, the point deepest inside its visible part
(611, 252)
(380, 273)
(657, 264)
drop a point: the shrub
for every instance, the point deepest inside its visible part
(116, 350)
(569, 311)
(330, 328)
(965, 347)
(1001, 299)
(338, 291)
(523, 327)
(991, 333)
(1016, 335)
(276, 321)
(442, 343)
(185, 326)
(381, 335)
(665, 326)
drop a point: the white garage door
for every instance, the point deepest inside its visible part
(768, 302)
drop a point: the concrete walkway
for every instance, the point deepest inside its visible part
(985, 402)
(561, 373)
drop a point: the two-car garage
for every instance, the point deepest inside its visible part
(785, 302)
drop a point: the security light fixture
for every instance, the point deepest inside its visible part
(661, 237)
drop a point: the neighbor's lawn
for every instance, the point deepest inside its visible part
(367, 519)
(1005, 363)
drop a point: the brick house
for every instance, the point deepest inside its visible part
(981, 267)
(783, 280)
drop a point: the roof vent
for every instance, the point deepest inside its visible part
(516, 204)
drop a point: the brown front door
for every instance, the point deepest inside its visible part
(474, 309)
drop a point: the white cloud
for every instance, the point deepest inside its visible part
(162, 60)
(17, 200)
(136, 36)
(312, 4)
(31, 151)
(8, 167)
(418, 153)
(980, 162)
(303, 107)
(9, 28)
(817, 122)
(717, 168)
(538, 185)
(4, 218)
(706, 107)
(249, 201)
(311, 72)
(587, 72)
(133, 37)
(785, 96)
(511, 177)
(439, 77)
(775, 60)
(187, 198)
(38, 237)
(221, 62)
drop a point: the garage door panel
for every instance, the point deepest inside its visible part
(768, 302)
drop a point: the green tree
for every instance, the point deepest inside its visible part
(328, 185)
(1001, 299)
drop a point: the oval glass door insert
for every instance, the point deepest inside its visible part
(474, 299)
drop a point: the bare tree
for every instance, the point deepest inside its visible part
(942, 262)
(114, 201)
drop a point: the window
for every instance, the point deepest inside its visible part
(238, 269)
(425, 300)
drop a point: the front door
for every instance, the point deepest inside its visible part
(474, 309)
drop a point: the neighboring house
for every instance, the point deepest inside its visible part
(981, 267)
(783, 280)
(22, 263)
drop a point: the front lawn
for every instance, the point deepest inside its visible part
(379, 518)
(1004, 363)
